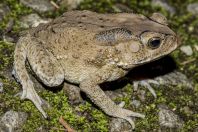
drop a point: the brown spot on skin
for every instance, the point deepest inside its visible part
(84, 15)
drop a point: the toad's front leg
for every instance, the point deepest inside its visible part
(91, 87)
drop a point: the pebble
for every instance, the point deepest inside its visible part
(122, 104)
(187, 110)
(119, 125)
(11, 121)
(70, 4)
(42, 129)
(165, 5)
(193, 8)
(32, 20)
(39, 5)
(8, 39)
(142, 95)
(73, 93)
(136, 103)
(168, 119)
(174, 78)
(187, 50)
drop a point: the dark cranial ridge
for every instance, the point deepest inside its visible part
(113, 36)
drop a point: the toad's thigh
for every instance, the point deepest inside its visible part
(45, 65)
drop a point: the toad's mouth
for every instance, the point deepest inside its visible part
(152, 57)
(145, 60)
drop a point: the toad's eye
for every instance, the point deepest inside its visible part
(154, 43)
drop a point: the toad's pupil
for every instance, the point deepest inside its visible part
(154, 43)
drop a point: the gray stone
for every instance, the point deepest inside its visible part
(42, 129)
(116, 94)
(11, 121)
(70, 4)
(122, 104)
(38, 5)
(119, 125)
(32, 20)
(4, 10)
(136, 103)
(187, 50)
(174, 78)
(195, 130)
(142, 95)
(193, 8)
(8, 39)
(168, 119)
(187, 110)
(73, 93)
(165, 5)
(122, 8)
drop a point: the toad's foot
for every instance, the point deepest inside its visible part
(146, 83)
(126, 114)
(30, 93)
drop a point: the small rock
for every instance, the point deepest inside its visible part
(4, 10)
(174, 78)
(187, 110)
(122, 8)
(168, 118)
(187, 50)
(39, 5)
(195, 130)
(70, 4)
(122, 104)
(115, 94)
(142, 95)
(11, 121)
(136, 103)
(42, 129)
(165, 5)
(193, 8)
(119, 125)
(8, 39)
(73, 93)
(32, 20)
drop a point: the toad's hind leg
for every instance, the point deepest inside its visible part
(43, 64)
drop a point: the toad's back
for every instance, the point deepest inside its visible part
(91, 21)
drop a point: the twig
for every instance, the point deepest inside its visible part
(54, 4)
(188, 61)
(66, 126)
(59, 129)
